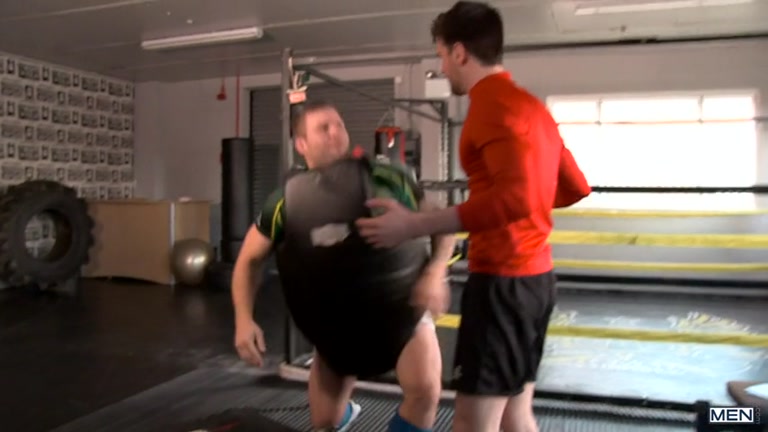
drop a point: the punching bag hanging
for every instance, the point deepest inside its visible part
(390, 142)
(236, 195)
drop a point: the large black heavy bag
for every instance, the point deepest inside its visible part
(326, 268)
(236, 195)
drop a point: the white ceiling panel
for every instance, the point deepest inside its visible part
(127, 55)
(103, 27)
(312, 10)
(406, 30)
(104, 36)
(356, 33)
(574, 16)
(179, 17)
(183, 72)
(30, 9)
(528, 19)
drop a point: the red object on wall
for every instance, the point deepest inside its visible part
(222, 96)
(390, 141)
(358, 152)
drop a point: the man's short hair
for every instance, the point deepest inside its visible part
(477, 26)
(299, 115)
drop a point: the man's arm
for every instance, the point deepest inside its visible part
(443, 245)
(257, 246)
(250, 264)
(572, 185)
(510, 165)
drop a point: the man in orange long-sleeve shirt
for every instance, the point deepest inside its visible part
(518, 170)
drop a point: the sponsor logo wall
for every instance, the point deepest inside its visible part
(66, 125)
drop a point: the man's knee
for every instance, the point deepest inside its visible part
(474, 413)
(425, 389)
(518, 414)
(329, 393)
(420, 366)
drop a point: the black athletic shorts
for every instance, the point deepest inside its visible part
(361, 343)
(501, 337)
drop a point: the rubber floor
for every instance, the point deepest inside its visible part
(675, 372)
(228, 396)
(62, 359)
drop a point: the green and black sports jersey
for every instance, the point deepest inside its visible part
(390, 180)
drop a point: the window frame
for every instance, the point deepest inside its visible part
(667, 201)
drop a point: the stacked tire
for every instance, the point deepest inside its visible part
(74, 228)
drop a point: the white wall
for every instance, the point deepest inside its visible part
(179, 126)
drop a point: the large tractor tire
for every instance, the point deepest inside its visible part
(73, 227)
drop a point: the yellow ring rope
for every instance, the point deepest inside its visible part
(451, 321)
(722, 241)
(608, 213)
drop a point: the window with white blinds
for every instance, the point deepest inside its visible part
(662, 141)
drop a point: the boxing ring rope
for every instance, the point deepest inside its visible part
(295, 366)
(755, 242)
(300, 372)
(743, 277)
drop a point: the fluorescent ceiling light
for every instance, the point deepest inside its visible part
(226, 36)
(599, 8)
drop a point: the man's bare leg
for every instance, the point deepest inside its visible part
(419, 371)
(478, 413)
(518, 414)
(329, 396)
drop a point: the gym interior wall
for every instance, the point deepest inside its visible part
(65, 125)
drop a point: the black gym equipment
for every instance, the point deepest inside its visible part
(235, 420)
(240, 191)
(218, 275)
(60, 268)
(316, 247)
(237, 212)
(389, 142)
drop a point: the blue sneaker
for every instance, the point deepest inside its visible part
(353, 415)
(346, 424)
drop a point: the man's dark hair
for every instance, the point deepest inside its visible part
(475, 25)
(299, 114)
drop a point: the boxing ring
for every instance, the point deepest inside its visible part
(660, 341)
(654, 276)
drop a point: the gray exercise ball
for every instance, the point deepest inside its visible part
(189, 260)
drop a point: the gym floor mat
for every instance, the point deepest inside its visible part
(227, 396)
(676, 372)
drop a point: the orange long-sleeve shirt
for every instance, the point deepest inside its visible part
(518, 169)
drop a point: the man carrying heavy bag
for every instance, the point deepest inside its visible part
(366, 310)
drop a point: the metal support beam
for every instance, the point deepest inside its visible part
(436, 104)
(286, 163)
(388, 102)
(286, 147)
(400, 57)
